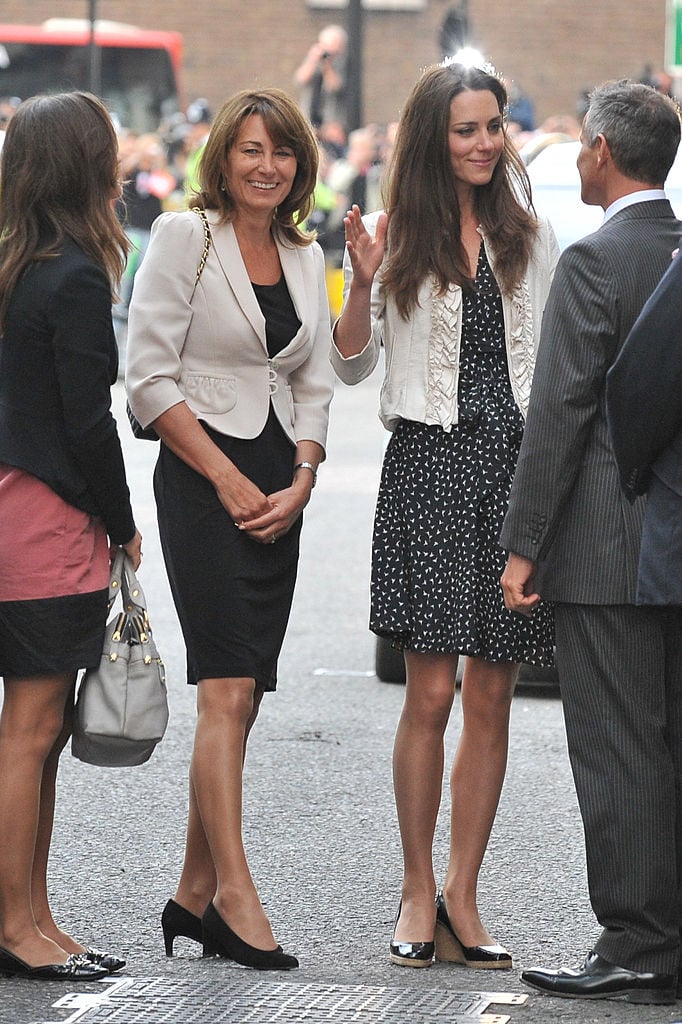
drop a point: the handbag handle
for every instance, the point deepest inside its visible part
(206, 249)
(124, 581)
(115, 574)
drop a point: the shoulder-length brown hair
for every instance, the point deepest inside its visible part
(59, 178)
(286, 126)
(424, 215)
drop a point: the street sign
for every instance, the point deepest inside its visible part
(673, 46)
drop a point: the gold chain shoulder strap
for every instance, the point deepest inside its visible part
(207, 243)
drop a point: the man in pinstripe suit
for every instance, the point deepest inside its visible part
(574, 539)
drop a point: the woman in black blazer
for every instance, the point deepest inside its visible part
(63, 493)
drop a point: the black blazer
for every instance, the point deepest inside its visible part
(58, 360)
(644, 405)
(644, 386)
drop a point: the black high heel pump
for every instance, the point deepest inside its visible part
(220, 940)
(175, 920)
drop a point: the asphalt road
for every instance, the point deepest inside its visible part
(319, 818)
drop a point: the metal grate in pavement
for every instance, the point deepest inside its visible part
(261, 1001)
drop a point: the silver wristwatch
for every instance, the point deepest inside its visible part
(307, 465)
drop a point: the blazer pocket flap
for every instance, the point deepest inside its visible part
(209, 393)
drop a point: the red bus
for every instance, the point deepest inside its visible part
(139, 70)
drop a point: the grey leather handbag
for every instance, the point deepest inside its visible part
(122, 706)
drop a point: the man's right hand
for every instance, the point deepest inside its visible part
(517, 584)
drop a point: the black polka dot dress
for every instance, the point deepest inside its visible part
(436, 560)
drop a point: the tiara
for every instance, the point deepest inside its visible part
(469, 57)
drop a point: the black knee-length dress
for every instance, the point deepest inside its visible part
(232, 594)
(436, 559)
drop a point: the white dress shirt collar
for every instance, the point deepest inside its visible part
(646, 195)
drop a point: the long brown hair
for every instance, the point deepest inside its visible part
(424, 215)
(58, 179)
(286, 126)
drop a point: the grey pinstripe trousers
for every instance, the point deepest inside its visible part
(620, 670)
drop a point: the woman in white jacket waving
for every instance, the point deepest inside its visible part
(451, 280)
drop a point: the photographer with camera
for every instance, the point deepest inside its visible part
(322, 77)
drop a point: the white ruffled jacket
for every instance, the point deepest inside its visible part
(422, 354)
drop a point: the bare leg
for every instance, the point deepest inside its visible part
(225, 714)
(475, 784)
(198, 881)
(197, 884)
(31, 729)
(39, 896)
(418, 759)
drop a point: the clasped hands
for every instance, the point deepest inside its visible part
(264, 517)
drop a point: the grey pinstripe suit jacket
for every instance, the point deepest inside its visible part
(567, 511)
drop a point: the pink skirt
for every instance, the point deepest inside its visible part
(54, 578)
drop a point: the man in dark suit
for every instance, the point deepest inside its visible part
(574, 539)
(644, 406)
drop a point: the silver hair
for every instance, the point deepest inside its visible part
(640, 125)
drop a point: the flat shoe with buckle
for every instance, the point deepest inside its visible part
(76, 968)
(109, 961)
(450, 949)
(599, 979)
(410, 954)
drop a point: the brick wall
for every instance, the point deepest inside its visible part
(552, 48)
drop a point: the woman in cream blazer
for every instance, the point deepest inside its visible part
(211, 352)
(232, 369)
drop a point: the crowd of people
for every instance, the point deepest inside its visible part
(510, 520)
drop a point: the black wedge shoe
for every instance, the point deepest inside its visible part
(409, 954)
(76, 968)
(220, 940)
(451, 950)
(109, 961)
(175, 920)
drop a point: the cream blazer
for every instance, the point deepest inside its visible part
(211, 352)
(422, 354)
